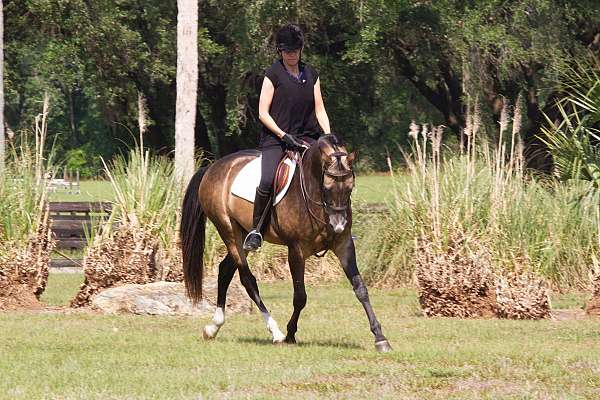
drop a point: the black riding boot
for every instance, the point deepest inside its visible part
(262, 203)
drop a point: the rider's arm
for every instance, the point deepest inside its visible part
(320, 108)
(264, 104)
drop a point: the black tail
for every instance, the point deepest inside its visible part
(191, 233)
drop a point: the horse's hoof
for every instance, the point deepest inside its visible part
(208, 333)
(278, 336)
(278, 342)
(383, 346)
(290, 340)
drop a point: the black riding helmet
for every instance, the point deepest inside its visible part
(289, 38)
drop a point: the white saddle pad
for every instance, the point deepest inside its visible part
(247, 180)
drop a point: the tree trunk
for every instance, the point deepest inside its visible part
(2, 86)
(187, 88)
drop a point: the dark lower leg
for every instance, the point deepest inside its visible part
(296, 262)
(260, 218)
(226, 272)
(347, 255)
(299, 303)
(361, 292)
(249, 282)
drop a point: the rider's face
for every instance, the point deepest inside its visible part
(291, 57)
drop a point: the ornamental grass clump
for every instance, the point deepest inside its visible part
(521, 296)
(530, 224)
(456, 271)
(463, 223)
(25, 237)
(138, 242)
(455, 277)
(593, 306)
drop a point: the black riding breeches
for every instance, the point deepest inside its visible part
(271, 156)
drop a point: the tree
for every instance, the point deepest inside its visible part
(454, 52)
(187, 88)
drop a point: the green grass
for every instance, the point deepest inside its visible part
(61, 288)
(373, 189)
(90, 191)
(570, 300)
(87, 356)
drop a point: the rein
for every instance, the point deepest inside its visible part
(300, 160)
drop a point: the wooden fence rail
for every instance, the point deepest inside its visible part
(69, 221)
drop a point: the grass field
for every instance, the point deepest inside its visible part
(78, 355)
(90, 191)
(54, 355)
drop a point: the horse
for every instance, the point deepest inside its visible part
(314, 216)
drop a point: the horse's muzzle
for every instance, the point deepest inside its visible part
(338, 222)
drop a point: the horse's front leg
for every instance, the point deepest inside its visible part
(296, 261)
(344, 250)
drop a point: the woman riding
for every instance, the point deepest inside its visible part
(291, 109)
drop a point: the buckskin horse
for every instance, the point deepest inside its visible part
(314, 216)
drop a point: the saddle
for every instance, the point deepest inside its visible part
(282, 174)
(247, 180)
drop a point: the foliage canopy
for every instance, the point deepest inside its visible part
(382, 63)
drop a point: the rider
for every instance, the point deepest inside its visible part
(290, 107)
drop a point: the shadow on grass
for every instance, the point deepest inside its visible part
(311, 343)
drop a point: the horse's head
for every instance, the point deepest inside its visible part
(338, 180)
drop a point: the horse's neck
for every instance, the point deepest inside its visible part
(312, 170)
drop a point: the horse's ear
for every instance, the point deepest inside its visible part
(352, 157)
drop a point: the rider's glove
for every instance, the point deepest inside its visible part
(333, 139)
(292, 143)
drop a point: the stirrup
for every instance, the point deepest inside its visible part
(248, 245)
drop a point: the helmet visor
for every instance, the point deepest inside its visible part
(289, 47)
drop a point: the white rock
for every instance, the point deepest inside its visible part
(166, 298)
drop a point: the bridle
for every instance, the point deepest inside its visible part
(335, 176)
(322, 203)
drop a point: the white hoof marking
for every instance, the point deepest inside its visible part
(278, 336)
(210, 331)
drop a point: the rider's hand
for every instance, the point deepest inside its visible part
(292, 143)
(334, 139)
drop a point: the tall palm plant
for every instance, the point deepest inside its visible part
(574, 139)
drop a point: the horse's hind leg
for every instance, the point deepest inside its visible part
(249, 282)
(226, 272)
(296, 261)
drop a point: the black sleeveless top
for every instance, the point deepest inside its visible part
(293, 104)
